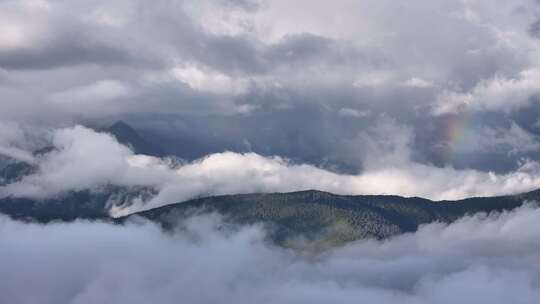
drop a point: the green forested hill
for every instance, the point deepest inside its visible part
(307, 216)
(314, 216)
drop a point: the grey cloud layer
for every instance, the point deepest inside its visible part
(480, 259)
(345, 63)
(123, 37)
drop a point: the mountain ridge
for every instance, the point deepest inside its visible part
(318, 216)
(310, 215)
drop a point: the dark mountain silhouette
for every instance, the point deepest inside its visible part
(91, 205)
(128, 136)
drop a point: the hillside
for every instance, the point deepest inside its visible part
(313, 217)
(325, 218)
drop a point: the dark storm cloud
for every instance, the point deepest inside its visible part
(78, 50)
(243, 55)
(50, 39)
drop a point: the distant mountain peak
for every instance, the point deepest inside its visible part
(120, 124)
(127, 135)
(121, 128)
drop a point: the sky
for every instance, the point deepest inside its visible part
(426, 98)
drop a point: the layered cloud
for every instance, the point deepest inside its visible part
(480, 259)
(84, 159)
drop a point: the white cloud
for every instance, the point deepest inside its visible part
(223, 17)
(480, 259)
(349, 112)
(374, 79)
(417, 83)
(84, 159)
(12, 36)
(207, 80)
(21, 23)
(15, 142)
(496, 94)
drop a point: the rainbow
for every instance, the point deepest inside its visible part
(454, 133)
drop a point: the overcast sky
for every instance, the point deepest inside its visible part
(91, 58)
(356, 91)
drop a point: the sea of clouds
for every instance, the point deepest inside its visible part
(478, 259)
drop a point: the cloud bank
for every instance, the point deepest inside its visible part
(479, 259)
(85, 159)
